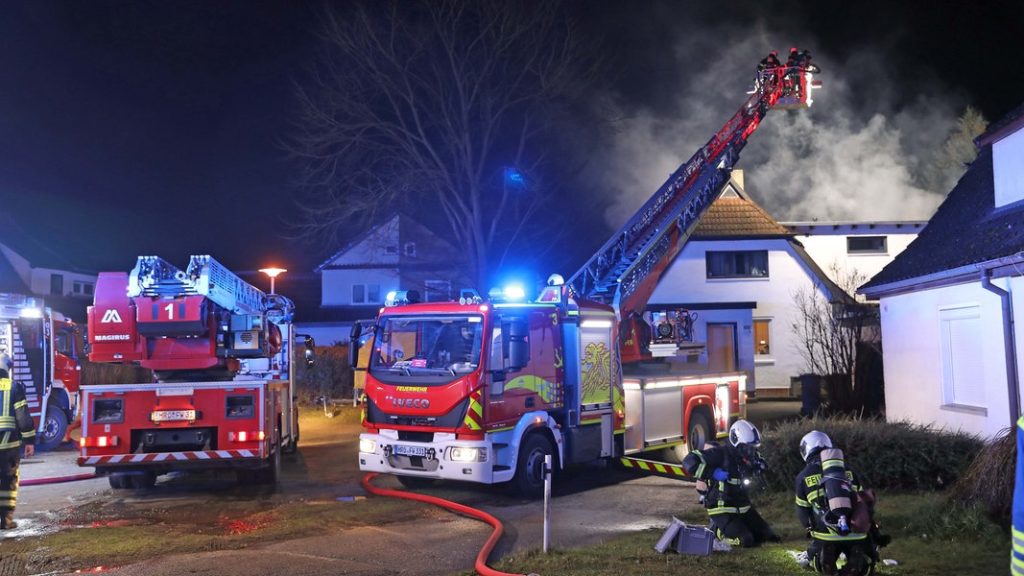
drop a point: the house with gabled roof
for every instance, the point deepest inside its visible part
(952, 304)
(739, 273)
(397, 254)
(30, 267)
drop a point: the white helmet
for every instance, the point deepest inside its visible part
(812, 441)
(5, 362)
(743, 432)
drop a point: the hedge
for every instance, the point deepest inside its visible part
(887, 455)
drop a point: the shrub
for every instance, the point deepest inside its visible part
(330, 376)
(887, 455)
(988, 483)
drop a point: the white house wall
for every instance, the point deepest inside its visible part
(40, 283)
(336, 285)
(830, 251)
(912, 344)
(686, 281)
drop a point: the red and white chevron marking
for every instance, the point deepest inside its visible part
(167, 457)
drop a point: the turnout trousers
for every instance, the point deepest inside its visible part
(747, 529)
(10, 459)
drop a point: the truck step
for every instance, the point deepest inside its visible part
(502, 468)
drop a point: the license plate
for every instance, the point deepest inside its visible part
(410, 450)
(173, 415)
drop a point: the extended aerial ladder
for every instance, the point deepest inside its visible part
(625, 270)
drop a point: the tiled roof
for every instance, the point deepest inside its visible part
(734, 217)
(966, 230)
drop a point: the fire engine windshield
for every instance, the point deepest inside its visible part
(426, 349)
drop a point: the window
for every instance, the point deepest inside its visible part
(57, 284)
(737, 264)
(366, 293)
(438, 290)
(410, 249)
(391, 249)
(82, 288)
(866, 245)
(763, 337)
(961, 347)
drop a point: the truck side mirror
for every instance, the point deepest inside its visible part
(309, 354)
(516, 347)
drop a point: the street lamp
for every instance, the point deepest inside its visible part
(273, 273)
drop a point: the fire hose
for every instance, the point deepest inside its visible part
(481, 558)
(57, 479)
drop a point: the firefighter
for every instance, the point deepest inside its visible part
(726, 471)
(16, 426)
(850, 531)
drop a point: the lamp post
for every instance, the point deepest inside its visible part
(273, 273)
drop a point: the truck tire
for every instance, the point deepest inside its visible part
(698, 431)
(529, 478)
(55, 425)
(141, 481)
(118, 480)
(415, 482)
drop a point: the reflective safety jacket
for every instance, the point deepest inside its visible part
(15, 422)
(1017, 554)
(723, 496)
(811, 502)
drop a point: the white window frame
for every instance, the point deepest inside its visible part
(366, 294)
(961, 350)
(884, 249)
(409, 249)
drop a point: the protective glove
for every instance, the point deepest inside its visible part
(720, 474)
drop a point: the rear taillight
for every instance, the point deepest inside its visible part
(246, 436)
(98, 441)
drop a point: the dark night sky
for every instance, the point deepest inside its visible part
(153, 127)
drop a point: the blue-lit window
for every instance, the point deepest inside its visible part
(737, 264)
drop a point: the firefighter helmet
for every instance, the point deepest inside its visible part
(743, 432)
(5, 362)
(813, 440)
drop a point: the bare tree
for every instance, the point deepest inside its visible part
(831, 331)
(425, 107)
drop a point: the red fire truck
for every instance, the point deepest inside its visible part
(482, 390)
(45, 348)
(222, 355)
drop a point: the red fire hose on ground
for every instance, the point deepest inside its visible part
(56, 479)
(481, 558)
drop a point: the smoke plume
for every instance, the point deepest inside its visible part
(860, 152)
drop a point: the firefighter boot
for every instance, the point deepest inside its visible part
(7, 519)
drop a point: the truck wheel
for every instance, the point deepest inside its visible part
(529, 478)
(141, 481)
(415, 482)
(55, 425)
(698, 432)
(118, 481)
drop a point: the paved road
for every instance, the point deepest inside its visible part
(589, 506)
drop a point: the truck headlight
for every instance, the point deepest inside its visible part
(367, 445)
(464, 454)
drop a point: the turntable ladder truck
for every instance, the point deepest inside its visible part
(482, 390)
(222, 355)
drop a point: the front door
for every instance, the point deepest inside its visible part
(721, 347)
